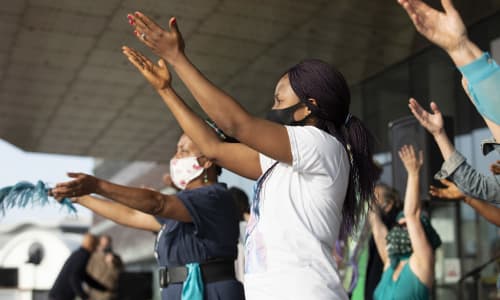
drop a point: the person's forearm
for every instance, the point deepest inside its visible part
(192, 125)
(379, 231)
(150, 202)
(445, 146)
(488, 211)
(412, 201)
(219, 106)
(465, 53)
(110, 210)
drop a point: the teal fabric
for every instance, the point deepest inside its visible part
(483, 76)
(407, 286)
(192, 288)
(430, 233)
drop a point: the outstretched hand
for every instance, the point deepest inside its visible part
(167, 44)
(450, 191)
(433, 122)
(82, 185)
(411, 160)
(157, 74)
(445, 29)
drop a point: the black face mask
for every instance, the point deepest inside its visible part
(285, 116)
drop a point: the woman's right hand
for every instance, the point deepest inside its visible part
(411, 160)
(157, 74)
(433, 122)
(167, 44)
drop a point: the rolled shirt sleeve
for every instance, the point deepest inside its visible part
(483, 76)
(468, 180)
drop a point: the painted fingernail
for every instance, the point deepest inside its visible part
(174, 21)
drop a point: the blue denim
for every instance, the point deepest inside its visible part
(468, 180)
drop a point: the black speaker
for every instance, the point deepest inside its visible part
(8, 277)
(408, 131)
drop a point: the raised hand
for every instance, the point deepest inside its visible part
(445, 29)
(167, 44)
(157, 74)
(411, 161)
(450, 191)
(495, 168)
(433, 122)
(82, 185)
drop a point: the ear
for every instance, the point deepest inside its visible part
(313, 102)
(207, 163)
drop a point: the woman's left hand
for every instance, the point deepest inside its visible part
(450, 191)
(82, 185)
(411, 161)
(157, 74)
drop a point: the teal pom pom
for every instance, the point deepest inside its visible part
(25, 193)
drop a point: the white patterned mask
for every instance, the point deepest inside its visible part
(184, 170)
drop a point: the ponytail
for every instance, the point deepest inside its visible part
(359, 143)
(313, 78)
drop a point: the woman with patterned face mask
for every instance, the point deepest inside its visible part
(407, 250)
(197, 228)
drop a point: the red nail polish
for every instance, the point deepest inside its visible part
(174, 21)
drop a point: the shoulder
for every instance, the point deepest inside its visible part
(312, 136)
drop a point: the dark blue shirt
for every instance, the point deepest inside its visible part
(213, 234)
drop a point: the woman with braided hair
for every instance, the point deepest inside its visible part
(312, 159)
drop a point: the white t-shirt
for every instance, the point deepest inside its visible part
(289, 246)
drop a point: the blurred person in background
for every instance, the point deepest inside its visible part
(69, 282)
(105, 266)
(407, 250)
(389, 205)
(243, 207)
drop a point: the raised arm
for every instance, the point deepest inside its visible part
(147, 201)
(119, 213)
(232, 118)
(434, 124)
(379, 231)
(446, 29)
(422, 263)
(233, 156)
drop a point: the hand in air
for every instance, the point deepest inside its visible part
(433, 122)
(443, 28)
(168, 44)
(157, 74)
(450, 191)
(82, 185)
(410, 159)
